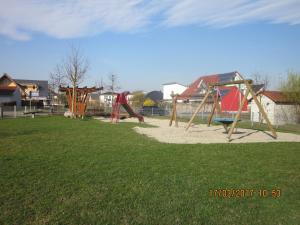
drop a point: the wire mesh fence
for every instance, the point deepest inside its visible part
(25, 111)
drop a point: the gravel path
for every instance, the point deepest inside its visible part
(203, 134)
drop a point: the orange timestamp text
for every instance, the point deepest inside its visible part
(244, 193)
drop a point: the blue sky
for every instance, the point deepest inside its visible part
(150, 42)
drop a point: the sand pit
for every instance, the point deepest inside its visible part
(203, 134)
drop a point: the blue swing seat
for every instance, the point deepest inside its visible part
(224, 120)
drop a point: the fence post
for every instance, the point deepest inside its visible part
(25, 109)
(1, 112)
(152, 111)
(15, 111)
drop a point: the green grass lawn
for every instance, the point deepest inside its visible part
(55, 170)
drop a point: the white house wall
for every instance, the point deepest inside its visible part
(169, 88)
(269, 107)
(285, 114)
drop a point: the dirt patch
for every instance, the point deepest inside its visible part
(204, 134)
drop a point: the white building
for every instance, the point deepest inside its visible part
(107, 98)
(170, 88)
(196, 91)
(278, 108)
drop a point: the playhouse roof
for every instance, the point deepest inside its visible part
(277, 96)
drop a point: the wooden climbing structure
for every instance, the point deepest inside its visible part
(79, 99)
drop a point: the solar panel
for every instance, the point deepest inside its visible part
(226, 77)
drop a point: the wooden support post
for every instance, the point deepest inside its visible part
(172, 114)
(176, 121)
(218, 107)
(261, 109)
(229, 82)
(174, 111)
(225, 127)
(215, 106)
(1, 112)
(237, 117)
(198, 109)
(15, 111)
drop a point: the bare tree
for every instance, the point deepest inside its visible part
(56, 79)
(258, 78)
(100, 84)
(73, 68)
(113, 83)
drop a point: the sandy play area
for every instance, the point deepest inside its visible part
(203, 134)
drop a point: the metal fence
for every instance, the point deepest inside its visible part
(205, 115)
(14, 111)
(153, 111)
(23, 111)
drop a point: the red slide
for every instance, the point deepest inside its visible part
(131, 113)
(122, 100)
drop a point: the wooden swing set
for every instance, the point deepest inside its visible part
(226, 121)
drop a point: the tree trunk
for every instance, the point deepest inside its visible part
(73, 100)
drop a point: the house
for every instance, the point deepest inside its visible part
(36, 91)
(57, 98)
(107, 98)
(94, 98)
(10, 91)
(21, 92)
(278, 107)
(190, 98)
(154, 96)
(172, 88)
(196, 91)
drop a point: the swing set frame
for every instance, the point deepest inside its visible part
(216, 106)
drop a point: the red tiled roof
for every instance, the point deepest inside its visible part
(192, 90)
(277, 96)
(210, 79)
(194, 87)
